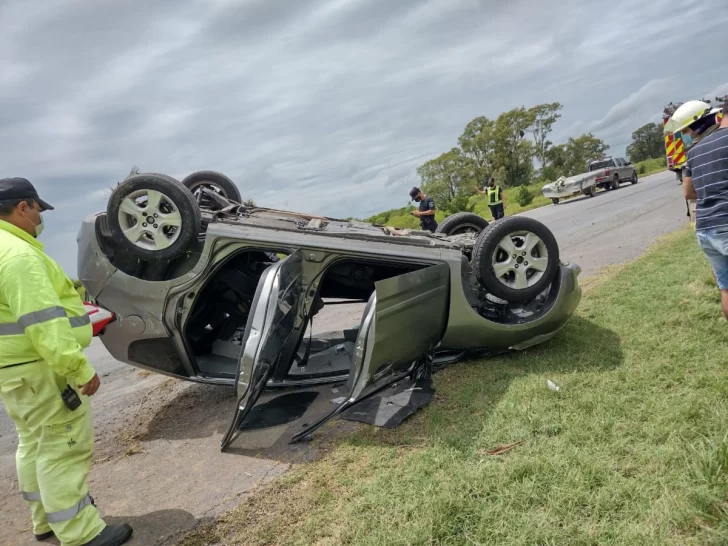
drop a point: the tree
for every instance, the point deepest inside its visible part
(513, 153)
(544, 117)
(556, 163)
(478, 146)
(445, 176)
(647, 143)
(579, 151)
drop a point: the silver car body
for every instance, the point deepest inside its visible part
(424, 305)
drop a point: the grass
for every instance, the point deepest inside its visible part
(633, 448)
(651, 166)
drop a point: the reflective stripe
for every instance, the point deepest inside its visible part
(38, 317)
(11, 329)
(70, 513)
(31, 496)
(77, 322)
(44, 315)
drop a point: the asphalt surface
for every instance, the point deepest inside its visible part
(158, 464)
(615, 226)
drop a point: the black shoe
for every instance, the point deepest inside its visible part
(112, 535)
(45, 536)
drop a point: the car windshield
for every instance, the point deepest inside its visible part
(599, 165)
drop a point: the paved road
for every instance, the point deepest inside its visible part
(615, 226)
(158, 464)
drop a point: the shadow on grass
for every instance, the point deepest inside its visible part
(469, 391)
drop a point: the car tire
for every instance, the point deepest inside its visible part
(504, 265)
(615, 182)
(589, 192)
(634, 179)
(462, 222)
(215, 181)
(555, 200)
(174, 208)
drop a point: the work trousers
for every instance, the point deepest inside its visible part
(55, 450)
(497, 211)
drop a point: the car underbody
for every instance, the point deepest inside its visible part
(236, 305)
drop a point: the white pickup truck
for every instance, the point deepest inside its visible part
(606, 173)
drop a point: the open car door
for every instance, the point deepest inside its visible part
(403, 322)
(270, 324)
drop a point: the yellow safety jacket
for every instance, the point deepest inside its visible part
(42, 317)
(494, 195)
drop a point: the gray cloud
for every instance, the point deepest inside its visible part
(325, 106)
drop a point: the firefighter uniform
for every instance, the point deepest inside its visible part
(43, 326)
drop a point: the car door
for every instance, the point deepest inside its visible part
(269, 327)
(627, 170)
(404, 320)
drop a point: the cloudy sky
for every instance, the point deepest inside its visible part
(322, 106)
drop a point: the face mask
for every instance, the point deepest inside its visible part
(37, 227)
(687, 139)
(417, 199)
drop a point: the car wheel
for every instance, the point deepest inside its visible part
(555, 200)
(516, 259)
(212, 181)
(153, 216)
(615, 182)
(589, 192)
(462, 222)
(634, 177)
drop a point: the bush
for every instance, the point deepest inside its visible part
(525, 197)
(642, 169)
(459, 203)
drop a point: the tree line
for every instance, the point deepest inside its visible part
(508, 149)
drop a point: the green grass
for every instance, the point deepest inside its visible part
(632, 450)
(651, 166)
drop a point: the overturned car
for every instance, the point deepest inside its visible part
(207, 289)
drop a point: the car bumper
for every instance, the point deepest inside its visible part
(138, 336)
(467, 330)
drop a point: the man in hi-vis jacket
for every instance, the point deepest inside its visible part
(45, 377)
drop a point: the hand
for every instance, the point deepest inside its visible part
(415, 213)
(90, 388)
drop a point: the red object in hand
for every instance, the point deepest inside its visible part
(100, 317)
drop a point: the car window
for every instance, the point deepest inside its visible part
(595, 166)
(619, 161)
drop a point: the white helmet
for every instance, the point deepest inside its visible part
(687, 114)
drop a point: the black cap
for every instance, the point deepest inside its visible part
(20, 188)
(414, 191)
